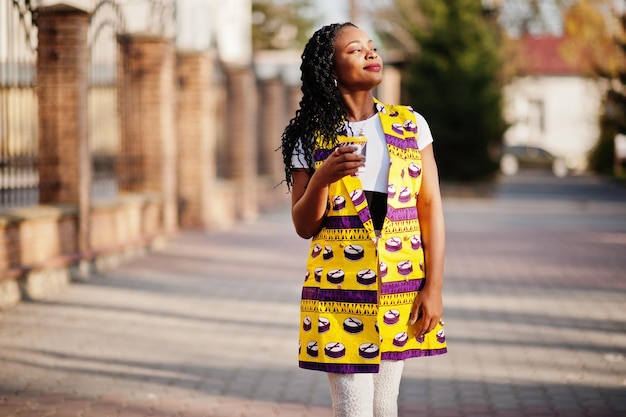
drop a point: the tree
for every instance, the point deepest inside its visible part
(454, 82)
(613, 119)
(590, 32)
(281, 24)
(596, 36)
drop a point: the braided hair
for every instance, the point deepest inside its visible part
(322, 112)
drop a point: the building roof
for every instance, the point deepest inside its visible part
(544, 56)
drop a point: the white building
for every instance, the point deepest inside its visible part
(553, 105)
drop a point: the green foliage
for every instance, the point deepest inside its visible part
(281, 24)
(454, 84)
(602, 156)
(598, 41)
(613, 120)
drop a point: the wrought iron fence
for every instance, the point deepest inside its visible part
(220, 95)
(19, 175)
(19, 169)
(107, 22)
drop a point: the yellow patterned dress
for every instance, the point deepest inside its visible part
(359, 287)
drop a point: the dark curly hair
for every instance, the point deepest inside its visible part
(322, 112)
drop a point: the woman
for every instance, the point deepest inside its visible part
(372, 295)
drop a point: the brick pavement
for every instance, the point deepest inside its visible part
(535, 319)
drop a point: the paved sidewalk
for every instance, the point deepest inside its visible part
(535, 317)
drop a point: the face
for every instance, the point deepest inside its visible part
(357, 64)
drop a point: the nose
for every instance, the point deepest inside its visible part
(371, 54)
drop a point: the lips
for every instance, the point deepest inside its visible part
(373, 67)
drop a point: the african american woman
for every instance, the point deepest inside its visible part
(365, 190)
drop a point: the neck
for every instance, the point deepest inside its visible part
(359, 107)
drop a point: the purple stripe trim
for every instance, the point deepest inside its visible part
(402, 286)
(401, 143)
(339, 296)
(322, 154)
(340, 368)
(413, 353)
(364, 214)
(399, 214)
(343, 222)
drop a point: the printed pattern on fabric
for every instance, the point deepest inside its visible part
(359, 287)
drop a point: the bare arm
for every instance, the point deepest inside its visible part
(309, 194)
(430, 211)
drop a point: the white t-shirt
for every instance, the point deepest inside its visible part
(376, 155)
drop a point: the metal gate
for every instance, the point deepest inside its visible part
(19, 175)
(106, 23)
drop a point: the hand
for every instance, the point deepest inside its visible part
(341, 162)
(426, 311)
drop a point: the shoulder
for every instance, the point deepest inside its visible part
(421, 120)
(395, 110)
(402, 111)
(408, 112)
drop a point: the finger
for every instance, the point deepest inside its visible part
(423, 327)
(416, 313)
(412, 317)
(350, 167)
(350, 157)
(340, 157)
(345, 173)
(345, 149)
(429, 325)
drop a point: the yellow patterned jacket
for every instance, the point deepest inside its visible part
(359, 288)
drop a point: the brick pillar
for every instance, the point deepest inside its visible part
(242, 140)
(62, 84)
(389, 90)
(272, 123)
(196, 138)
(147, 105)
(294, 95)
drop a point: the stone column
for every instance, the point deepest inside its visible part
(272, 123)
(196, 138)
(294, 95)
(62, 83)
(148, 157)
(242, 140)
(389, 90)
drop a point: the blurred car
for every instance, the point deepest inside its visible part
(519, 157)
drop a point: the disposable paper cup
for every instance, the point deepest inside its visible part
(360, 143)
